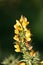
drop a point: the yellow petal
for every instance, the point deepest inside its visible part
(18, 23)
(18, 27)
(25, 29)
(16, 38)
(28, 39)
(15, 26)
(28, 34)
(22, 63)
(16, 46)
(16, 31)
(25, 19)
(17, 50)
(32, 53)
(21, 19)
(25, 23)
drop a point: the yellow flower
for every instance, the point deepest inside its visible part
(25, 23)
(41, 62)
(16, 38)
(20, 28)
(28, 39)
(28, 34)
(17, 48)
(23, 18)
(22, 63)
(17, 27)
(18, 23)
(25, 29)
(32, 52)
(16, 31)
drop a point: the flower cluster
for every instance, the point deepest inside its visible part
(22, 33)
(23, 42)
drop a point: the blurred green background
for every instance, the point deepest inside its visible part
(10, 10)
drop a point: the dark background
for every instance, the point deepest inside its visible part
(10, 10)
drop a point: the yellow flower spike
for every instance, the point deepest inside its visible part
(22, 63)
(16, 38)
(17, 48)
